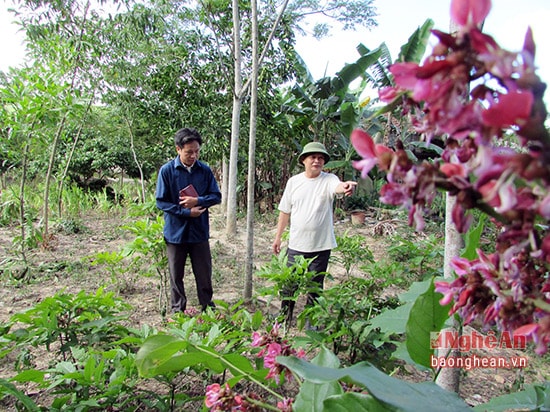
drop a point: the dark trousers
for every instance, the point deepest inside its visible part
(319, 265)
(201, 263)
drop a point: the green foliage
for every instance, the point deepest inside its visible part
(148, 253)
(93, 364)
(408, 260)
(148, 244)
(426, 316)
(289, 281)
(188, 346)
(9, 206)
(342, 314)
(351, 251)
(533, 398)
(385, 393)
(63, 323)
(71, 226)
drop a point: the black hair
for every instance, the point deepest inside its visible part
(186, 135)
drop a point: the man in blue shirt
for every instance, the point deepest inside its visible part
(186, 223)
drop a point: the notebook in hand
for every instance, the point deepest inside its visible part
(189, 190)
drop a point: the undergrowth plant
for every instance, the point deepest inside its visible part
(288, 281)
(148, 253)
(351, 251)
(342, 314)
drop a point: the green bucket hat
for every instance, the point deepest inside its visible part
(313, 147)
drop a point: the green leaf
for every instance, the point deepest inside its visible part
(156, 351)
(392, 320)
(426, 316)
(414, 49)
(10, 389)
(351, 401)
(31, 375)
(472, 239)
(393, 393)
(533, 398)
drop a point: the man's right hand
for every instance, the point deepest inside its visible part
(276, 246)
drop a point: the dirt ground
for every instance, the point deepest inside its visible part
(102, 233)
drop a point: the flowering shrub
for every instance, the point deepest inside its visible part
(472, 91)
(224, 398)
(274, 345)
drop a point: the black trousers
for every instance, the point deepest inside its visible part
(319, 265)
(201, 263)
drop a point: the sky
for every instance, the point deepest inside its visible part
(397, 19)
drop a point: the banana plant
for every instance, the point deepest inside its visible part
(331, 108)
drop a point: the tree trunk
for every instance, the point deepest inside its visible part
(252, 157)
(134, 154)
(224, 179)
(239, 92)
(231, 219)
(449, 378)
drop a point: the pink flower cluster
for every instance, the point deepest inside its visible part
(472, 92)
(274, 345)
(223, 398)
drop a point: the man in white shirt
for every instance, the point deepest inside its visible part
(307, 204)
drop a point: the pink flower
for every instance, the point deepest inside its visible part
(212, 395)
(404, 74)
(538, 332)
(544, 207)
(257, 339)
(388, 94)
(453, 169)
(365, 147)
(501, 196)
(285, 405)
(470, 13)
(513, 108)
(273, 350)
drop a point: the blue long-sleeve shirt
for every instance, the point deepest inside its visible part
(179, 226)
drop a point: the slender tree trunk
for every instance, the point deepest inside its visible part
(239, 93)
(449, 378)
(252, 157)
(60, 129)
(231, 223)
(49, 173)
(225, 172)
(133, 148)
(22, 199)
(69, 159)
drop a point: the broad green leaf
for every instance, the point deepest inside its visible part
(312, 395)
(155, 351)
(180, 362)
(392, 320)
(533, 398)
(238, 364)
(326, 358)
(393, 393)
(426, 316)
(351, 401)
(31, 375)
(472, 239)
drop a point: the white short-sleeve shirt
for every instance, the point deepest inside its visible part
(309, 201)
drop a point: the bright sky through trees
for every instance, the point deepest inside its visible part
(397, 19)
(507, 23)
